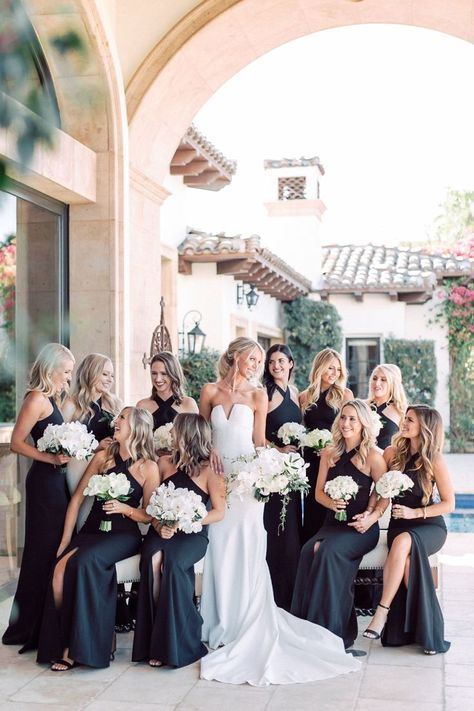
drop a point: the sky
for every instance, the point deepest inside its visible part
(388, 109)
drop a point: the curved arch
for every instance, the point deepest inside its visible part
(192, 63)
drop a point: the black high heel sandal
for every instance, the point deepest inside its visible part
(372, 634)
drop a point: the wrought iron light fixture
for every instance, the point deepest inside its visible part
(160, 340)
(250, 295)
(192, 341)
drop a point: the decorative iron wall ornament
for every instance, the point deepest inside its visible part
(160, 340)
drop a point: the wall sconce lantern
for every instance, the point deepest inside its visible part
(192, 341)
(251, 296)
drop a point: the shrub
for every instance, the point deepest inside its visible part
(310, 326)
(199, 369)
(416, 360)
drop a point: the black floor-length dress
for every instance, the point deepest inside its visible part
(389, 427)
(415, 614)
(170, 628)
(84, 624)
(324, 588)
(319, 416)
(283, 544)
(47, 498)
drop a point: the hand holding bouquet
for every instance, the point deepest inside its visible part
(393, 484)
(316, 439)
(108, 487)
(342, 487)
(291, 433)
(177, 508)
(162, 438)
(71, 439)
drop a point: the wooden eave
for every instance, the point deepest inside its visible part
(254, 268)
(408, 295)
(199, 167)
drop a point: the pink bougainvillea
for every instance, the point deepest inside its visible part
(7, 282)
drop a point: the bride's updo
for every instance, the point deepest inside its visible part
(239, 346)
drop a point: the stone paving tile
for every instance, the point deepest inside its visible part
(50, 688)
(411, 656)
(401, 683)
(31, 706)
(387, 705)
(214, 696)
(125, 706)
(339, 693)
(461, 699)
(163, 686)
(461, 650)
(457, 628)
(459, 675)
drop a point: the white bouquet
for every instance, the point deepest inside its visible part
(106, 487)
(393, 483)
(267, 472)
(162, 436)
(70, 438)
(342, 487)
(316, 439)
(179, 508)
(377, 423)
(291, 433)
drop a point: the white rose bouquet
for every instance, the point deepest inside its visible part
(377, 423)
(342, 487)
(267, 472)
(106, 487)
(291, 433)
(393, 483)
(70, 438)
(162, 436)
(177, 508)
(316, 439)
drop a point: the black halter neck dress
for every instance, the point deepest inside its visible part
(319, 416)
(415, 615)
(165, 411)
(389, 427)
(324, 588)
(169, 629)
(47, 498)
(85, 621)
(283, 545)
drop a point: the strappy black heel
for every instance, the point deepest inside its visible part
(372, 634)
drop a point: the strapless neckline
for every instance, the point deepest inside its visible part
(229, 416)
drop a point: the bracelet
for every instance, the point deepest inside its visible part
(424, 512)
(380, 512)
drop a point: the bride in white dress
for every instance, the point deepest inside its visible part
(263, 644)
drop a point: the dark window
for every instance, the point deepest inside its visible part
(264, 341)
(362, 355)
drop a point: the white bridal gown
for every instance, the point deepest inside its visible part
(263, 644)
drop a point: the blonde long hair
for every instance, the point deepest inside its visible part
(193, 442)
(397, 396)
(140, 442)
(335, 395)
(431, 443)
(237, 347)
(83, 391)
(368, 434)
(49, 359)
(174, 372)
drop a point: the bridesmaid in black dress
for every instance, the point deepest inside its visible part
(79, 614)
(168, 627)
(91, 400)
(167, 394)
(324, 588)
(409, 610)
(46, 491)
(387, 397)
(283, 545)
(320, 403)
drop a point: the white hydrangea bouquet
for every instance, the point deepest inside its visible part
(316, 439)
(291, 433)
(393, 483)
(162, 436)
(267, 472)
(342, 487)
(70, 438)
(106, 487)
(177, 508)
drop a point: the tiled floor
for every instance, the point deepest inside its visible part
(400, 679)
